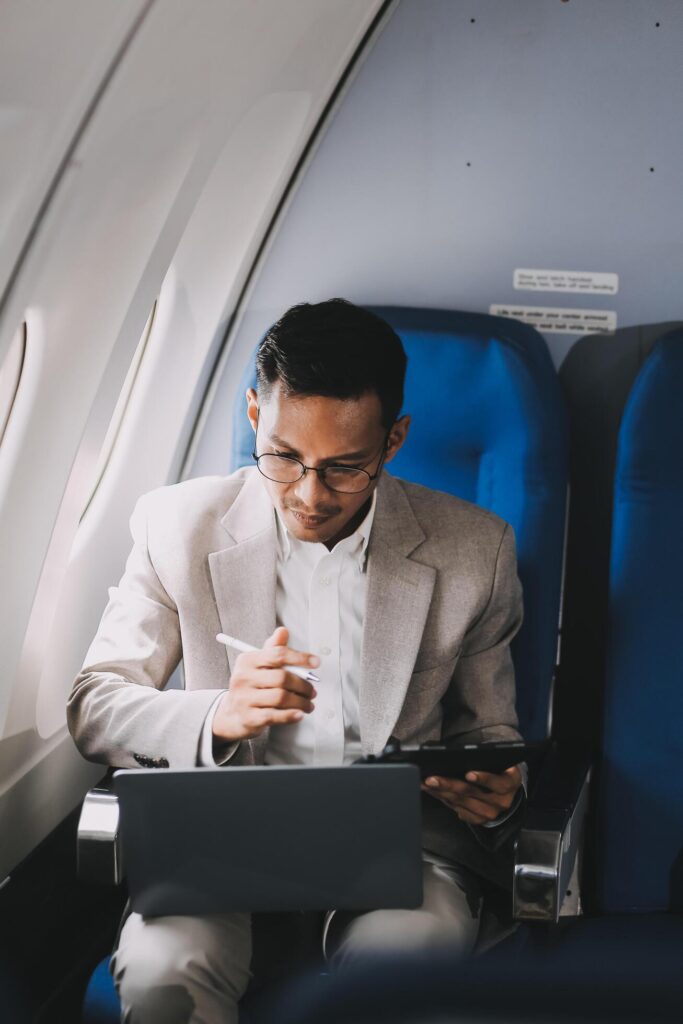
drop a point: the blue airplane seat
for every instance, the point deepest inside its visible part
(101, 1002)
(622, 960)
(640, 805)
(489, 425)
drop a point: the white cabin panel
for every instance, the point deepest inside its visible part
(46, 94)
(170, 191)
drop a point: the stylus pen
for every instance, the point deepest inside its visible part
(239, 645)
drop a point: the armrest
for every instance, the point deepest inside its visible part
(98, 849)
(549, 840)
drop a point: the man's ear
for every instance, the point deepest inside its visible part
(397, 436)
(252, 407)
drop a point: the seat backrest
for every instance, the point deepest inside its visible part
(596, 377)
(640, 811)
(489, 425)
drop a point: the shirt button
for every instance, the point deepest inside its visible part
(330, 713)
(325, 581)
(325, 650)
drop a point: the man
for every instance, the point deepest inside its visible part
(403, 600)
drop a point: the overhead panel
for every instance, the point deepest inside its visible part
(54, 60)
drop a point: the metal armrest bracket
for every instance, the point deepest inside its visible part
(99, 853)
(549, 841)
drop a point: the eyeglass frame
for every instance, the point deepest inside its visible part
(321, 471)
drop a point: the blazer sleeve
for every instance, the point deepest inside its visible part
(118, 712)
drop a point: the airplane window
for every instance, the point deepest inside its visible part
(10, 375)
(53, 622)
(120, 409)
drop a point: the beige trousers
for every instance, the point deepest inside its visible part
(194, 970)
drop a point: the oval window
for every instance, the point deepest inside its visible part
(10, 376)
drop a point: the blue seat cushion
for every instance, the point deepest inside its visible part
(101, 1003)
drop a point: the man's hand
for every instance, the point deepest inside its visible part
(480, 797)
(261, 692)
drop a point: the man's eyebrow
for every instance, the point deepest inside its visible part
(348, 456)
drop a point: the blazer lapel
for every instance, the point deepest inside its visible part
(244, 573)
(398, 598)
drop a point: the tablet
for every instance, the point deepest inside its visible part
(447, 759)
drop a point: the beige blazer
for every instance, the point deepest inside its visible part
(443, 603)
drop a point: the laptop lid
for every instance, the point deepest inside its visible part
(277, 838)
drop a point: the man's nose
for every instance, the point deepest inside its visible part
(310, 490)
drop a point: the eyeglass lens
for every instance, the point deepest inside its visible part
(282, 469)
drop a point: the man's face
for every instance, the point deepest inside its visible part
(320, 432)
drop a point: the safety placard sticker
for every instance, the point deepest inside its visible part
(550, 319)
(580, 283)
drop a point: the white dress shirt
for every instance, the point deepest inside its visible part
(320, 598)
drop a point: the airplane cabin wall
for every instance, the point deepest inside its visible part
(170, 149)
(479, 137)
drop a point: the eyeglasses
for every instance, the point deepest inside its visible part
(285, 469)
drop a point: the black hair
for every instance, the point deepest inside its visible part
(335, 349)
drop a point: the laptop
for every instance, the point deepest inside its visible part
(278, 838)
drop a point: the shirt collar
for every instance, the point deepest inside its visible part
(354, 546)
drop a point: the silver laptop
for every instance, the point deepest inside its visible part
(209, 840)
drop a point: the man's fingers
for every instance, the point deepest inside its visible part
(261, 718)
(278, 657)
(276, 652)
(448, 785)
(245, 710)
(278, 638)
(486, 811)
(471, 806)
(471, 819)
(460, 790)
(461, 794)
(265, 679)
(276, 697)
(506, 782)
(466, 814)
